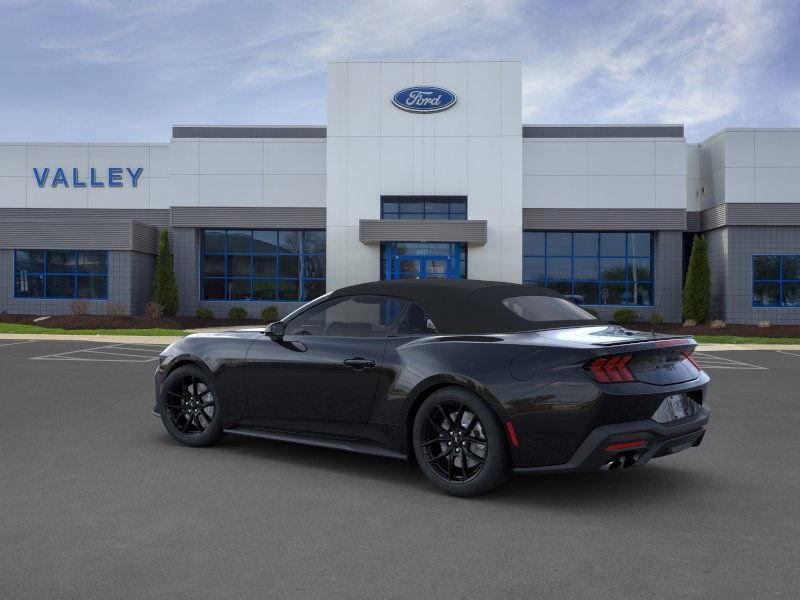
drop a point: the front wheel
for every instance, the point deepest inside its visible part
(190, 408)
(459, 443)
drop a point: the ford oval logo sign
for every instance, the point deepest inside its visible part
(424, 99)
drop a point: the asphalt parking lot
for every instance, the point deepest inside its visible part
(96, 501)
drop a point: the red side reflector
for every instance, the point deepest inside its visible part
(692, 359)
(625, 446)
(613, 369)
(512, 434)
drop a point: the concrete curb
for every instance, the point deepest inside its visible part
(168, 339)
(103, 339)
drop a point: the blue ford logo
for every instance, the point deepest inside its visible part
(424, 99)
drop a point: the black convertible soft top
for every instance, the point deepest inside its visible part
(470, 306)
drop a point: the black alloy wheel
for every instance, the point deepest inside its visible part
(454, 445)
(190, 408)
(459, 443)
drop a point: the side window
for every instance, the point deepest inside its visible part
(356, 316)
(414, 321)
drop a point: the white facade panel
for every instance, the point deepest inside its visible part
(622, 191)
(452, 76)
(393, 77)
(484, 167)
(556, 157)
(294, 190)
(739, 148)
(739, 184)
(336, 181)
(484, 106)
(293, 158)
(184, 157)
(450, 166)
(160, 192)
(670, 191)
(563, 191)
(337, 99)
(621, 157)
(777, 148)
(233, 190)
(13, 160)
(363, 169)
(777, 185)
(671, 158)
(230, 157)
(363, 103)
(159, 161)
(12, 192)
(396, 165)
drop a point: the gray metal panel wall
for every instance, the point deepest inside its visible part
(602, 131)
(185, 252)
(713, 217)
(605, 219)
(264, 217)
(783, 214)
(693, 222)
(313, 132)
(66, 234)
(144, 238)
(151, 216)
(372, 231)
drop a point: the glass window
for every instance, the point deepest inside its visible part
(357, 316)
(776, 280)
(592, 267)
(262, 265)
(544, 308)
(65, 274)
(414, 321)
(424, 207)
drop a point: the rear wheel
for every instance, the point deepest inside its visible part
(459, 443)
(190, 408)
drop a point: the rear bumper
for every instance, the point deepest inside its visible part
(660, 440)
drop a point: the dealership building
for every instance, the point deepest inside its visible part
(424, 169)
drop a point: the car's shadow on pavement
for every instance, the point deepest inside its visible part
(655, 482)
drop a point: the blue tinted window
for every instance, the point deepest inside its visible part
(776, 280)
(66, 274)
(451, 208)
(262, 265)
(592, 267)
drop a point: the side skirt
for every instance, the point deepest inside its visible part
(357, 446)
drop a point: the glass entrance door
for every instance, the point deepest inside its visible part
(423, 260)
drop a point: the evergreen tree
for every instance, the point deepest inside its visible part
(697, 289)
(165, 288)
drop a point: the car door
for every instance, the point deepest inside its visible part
(321, 376)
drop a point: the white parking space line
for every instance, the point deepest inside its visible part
(3, 345)
(787, 353)
(710, 361)
(99, 354)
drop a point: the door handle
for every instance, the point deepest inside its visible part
(359, 362)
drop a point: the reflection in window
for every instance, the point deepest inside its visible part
(591, 267)
(66, 274)
(776, 280)
(450, 208)
(262, 265)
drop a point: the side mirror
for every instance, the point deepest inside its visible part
(276, 330)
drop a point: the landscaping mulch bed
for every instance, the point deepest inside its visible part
(124, 322)
(773, 331)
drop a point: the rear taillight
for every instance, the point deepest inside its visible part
(690, 357)
(611, 369)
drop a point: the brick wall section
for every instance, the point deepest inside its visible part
(743, 243)
(129, 280)
(717, 250)
(186, 253)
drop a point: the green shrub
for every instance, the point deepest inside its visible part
(656, 318)
(270, 314)
(623, 316)
(237, 313)
(591, 311)
(697, 289)
(165, 288)
(204, 313)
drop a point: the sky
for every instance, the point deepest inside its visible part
(127, 70)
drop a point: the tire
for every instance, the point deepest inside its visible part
(190, 407)
(465, 460)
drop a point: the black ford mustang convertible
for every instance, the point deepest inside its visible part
(470, 380)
